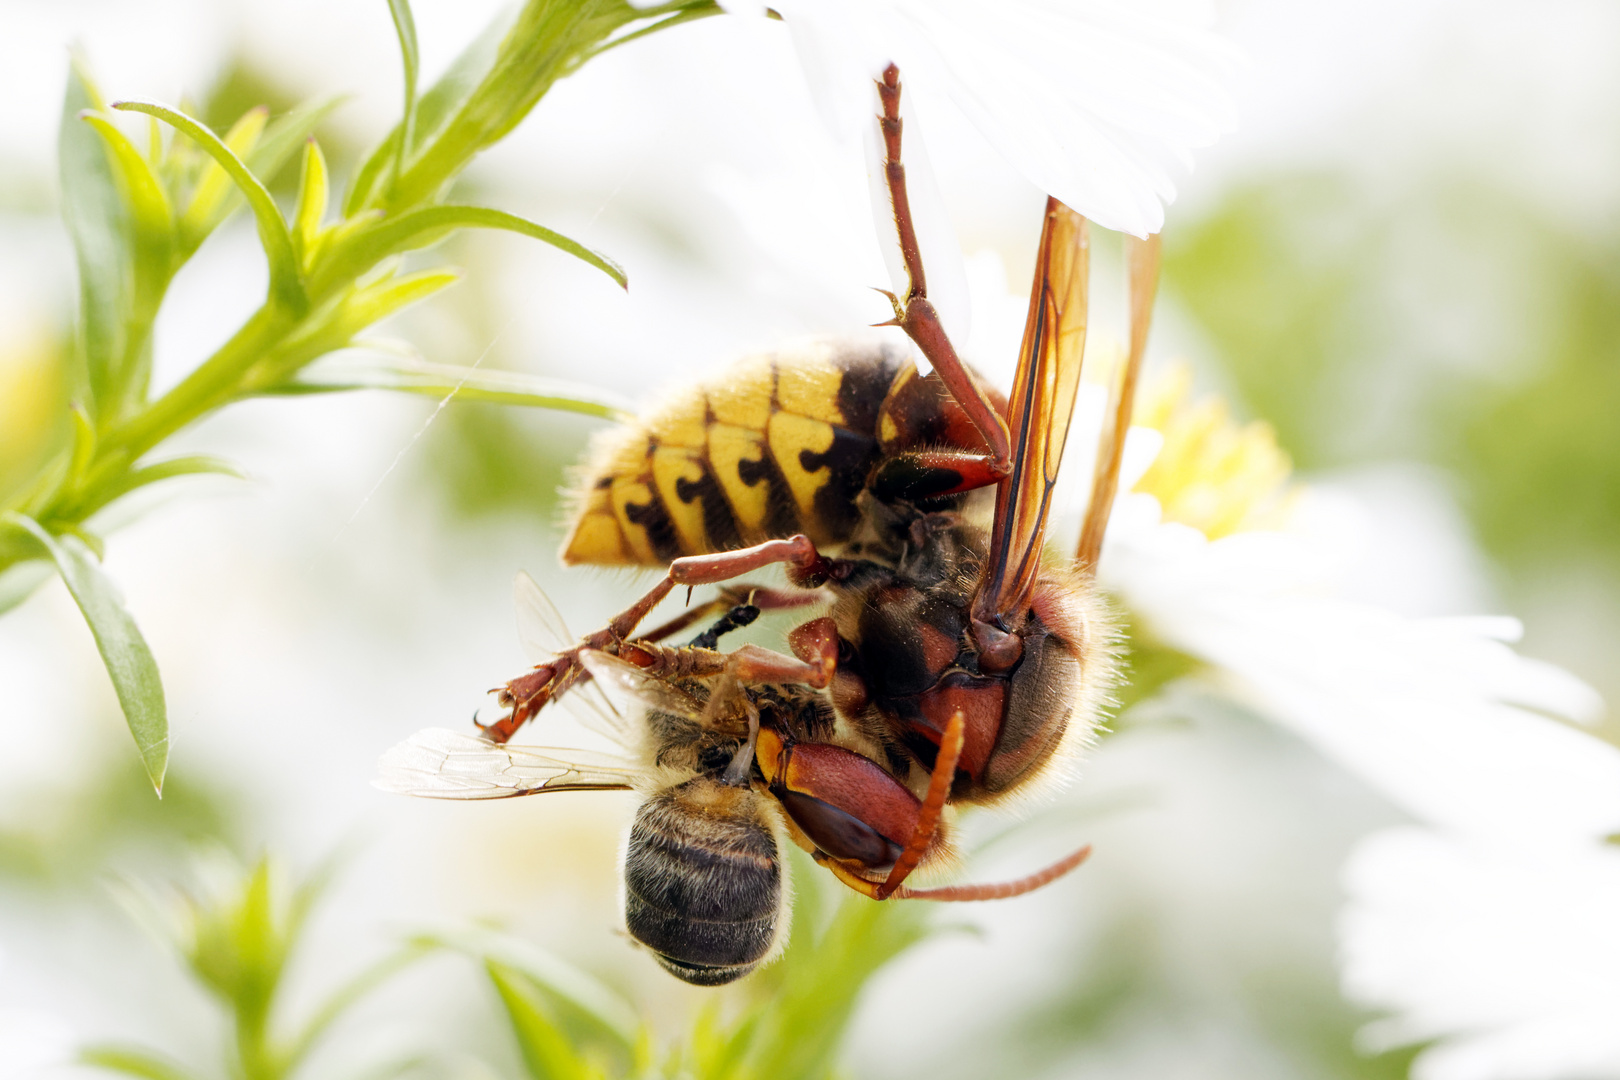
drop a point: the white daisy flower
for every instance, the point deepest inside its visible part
(1494, 928)
(1507, 954)
(1098, 102)
(1440, 715)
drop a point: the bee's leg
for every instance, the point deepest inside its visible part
(528, 694)
(735, 619)
(725, 602)
(806, 568)
(1143, 256)
(742, 765)
(915, 314)
(730, 599)
(813, 663)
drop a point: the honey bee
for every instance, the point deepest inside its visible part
(954, 665)
(726, 770)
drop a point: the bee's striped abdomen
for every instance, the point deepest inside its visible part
(775, 445)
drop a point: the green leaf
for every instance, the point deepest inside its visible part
(286, 133)
(334, 326)
(433, 110)
(103, 241)
(348, 995)
(421, 228)
(353, 371)
(133, 1061)
(671, 15)
(405, 27)
(545, 1047)
(548, 40)
(381, 299)
(805, 1000)
(285, 284)
(311, 205)
(84, 444)
(608, 1014)
(191, 465)
(153, 256)
(129, 661)
(207, 208)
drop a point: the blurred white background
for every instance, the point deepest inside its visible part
(358, 587)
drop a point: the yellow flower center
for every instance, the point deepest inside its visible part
(1212, 473)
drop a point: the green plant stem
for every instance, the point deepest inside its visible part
(212, 384)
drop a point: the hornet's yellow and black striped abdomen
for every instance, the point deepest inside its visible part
(774, 445)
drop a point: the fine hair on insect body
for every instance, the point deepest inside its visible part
(951, 663)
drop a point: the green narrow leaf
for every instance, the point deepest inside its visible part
(149, 211)
(334, 327)
(371, 177)
(419, 228)
(433, 111)
(285, 283)
(133, 1061)
(98, 221)
(345, 997)
(286, 133)
(405, 27)
(208, 198)
(129, 661)
(682, 13)
(311, 204)
(153, 261)
(84, 444)
(609, 1014)
(191, 465)
(383, 372)
(378, 301)
(545, 1048)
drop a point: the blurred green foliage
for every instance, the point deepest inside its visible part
(1447, 322)
(490, 461)
(138, 211)
(789, 1027)
(237, 930)
(110, 822)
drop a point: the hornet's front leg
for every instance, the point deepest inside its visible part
(806, 567)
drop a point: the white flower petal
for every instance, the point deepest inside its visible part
(1509, 954)
(1094, 102)
(1434, 713)
(30, 1041)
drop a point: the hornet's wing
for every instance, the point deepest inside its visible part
(1038, 415)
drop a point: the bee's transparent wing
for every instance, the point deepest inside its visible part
(633, 690)
(541, 629)
(543, 634)
(441, 764)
